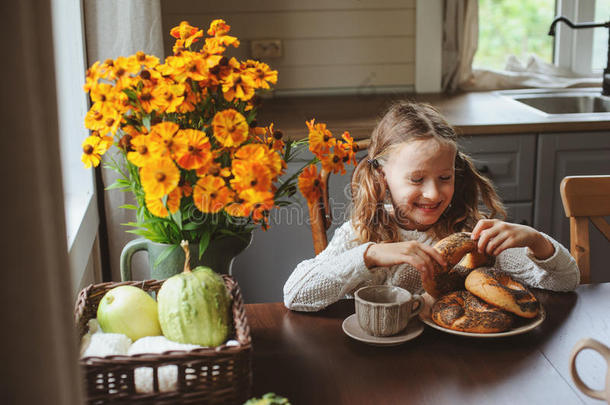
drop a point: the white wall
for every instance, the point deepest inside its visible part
(328, 46)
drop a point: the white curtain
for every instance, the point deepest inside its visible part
(460, 40)
(121, 28)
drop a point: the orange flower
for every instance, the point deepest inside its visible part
(145, 150)
(156, 207)
(186, 33)
(159, 178)
(93, 149)
(256, 152)
(210, 194)
(218, 27)
(320, 139)
(261, 74)
(230, 128)
(260, 201)
(185, 188)
(310, 184)
(250, 175)
(192, 149)
(162, 135)
(239, 209)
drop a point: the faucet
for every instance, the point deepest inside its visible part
(606, 76)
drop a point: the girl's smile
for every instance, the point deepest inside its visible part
(420, 178)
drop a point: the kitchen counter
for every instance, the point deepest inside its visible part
(473, 113)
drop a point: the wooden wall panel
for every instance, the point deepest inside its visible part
(326, 45)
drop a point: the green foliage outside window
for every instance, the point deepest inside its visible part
(513, 27)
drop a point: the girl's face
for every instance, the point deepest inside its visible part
(420, 175)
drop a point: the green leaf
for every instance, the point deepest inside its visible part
(191, 226)
(204, 242)
(146, 122)
(177, 217)
(168, 251)
(116, 185)
(128, 207)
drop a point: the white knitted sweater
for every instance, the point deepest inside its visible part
(339, 270)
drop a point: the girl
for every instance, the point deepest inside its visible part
(414, 188)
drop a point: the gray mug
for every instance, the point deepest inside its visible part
(385, 310)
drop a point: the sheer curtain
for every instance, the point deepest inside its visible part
(121, 28)
(460, 40)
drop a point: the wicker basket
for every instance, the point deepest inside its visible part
(220, 375)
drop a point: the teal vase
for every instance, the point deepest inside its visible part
(219, 256)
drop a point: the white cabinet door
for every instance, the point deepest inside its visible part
(561, 155)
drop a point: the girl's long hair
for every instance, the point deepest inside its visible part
(403, 122)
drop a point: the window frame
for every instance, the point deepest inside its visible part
(573, 49)
(80, 198)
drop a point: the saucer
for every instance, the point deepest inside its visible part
(353, 330)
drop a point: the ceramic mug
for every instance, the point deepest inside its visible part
(605, 352)
(384, 310)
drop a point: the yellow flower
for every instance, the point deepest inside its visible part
(239, 86)
(145, 150)
(149, 61)
(102, 117)
(210, 194)
(230, 128)
(169, 96)
(93, 74)
(320, 139)
(310, 184)
(122, 70)
(156, 207)
(159, 178)
(192, 149)
(250, 175)
(93, 149)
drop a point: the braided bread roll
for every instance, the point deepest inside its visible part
(463, 311)
(456, 248)
(500, 289)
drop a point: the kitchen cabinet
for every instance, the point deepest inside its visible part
(525, 168)
(561, 155)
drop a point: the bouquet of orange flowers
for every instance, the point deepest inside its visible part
(192, 155)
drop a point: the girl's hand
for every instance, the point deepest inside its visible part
(418, 255)
(495, 236)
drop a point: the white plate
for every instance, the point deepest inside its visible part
(424, 315)
(353, 330)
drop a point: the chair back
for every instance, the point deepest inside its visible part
(585, 198)
(320, 214)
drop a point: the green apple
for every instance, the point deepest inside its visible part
(129, 310)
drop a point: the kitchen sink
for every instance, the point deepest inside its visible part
(562, 101)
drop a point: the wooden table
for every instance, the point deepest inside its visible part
(307, 358)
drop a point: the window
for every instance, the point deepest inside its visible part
(509, 27)
(600, 36)
(519, 28)
(79, 191)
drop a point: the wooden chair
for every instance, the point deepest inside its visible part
(320, 213)
(585, 198)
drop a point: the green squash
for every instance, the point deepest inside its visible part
(194, 306)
